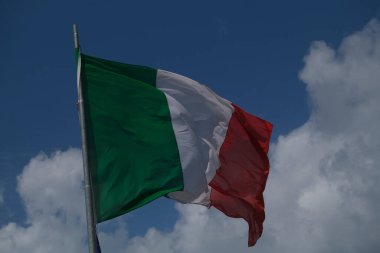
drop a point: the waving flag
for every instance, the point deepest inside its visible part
(153, 133)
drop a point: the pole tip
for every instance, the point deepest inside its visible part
(76, 41)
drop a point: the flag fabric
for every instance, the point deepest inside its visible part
(153, 133)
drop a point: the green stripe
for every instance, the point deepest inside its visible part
(132, 149)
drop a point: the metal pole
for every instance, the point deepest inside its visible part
(90, 214)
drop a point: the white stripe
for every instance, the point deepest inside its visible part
(200, 120)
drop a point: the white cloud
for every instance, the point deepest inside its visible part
(322, 193)
(197, 230)
(52, 193)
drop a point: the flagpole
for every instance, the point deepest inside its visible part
(90, 214)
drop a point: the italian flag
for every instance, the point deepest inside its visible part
(153, 133)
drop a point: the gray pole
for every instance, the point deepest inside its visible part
(90, 214)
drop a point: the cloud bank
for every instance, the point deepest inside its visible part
(322, 194)
(51, 190)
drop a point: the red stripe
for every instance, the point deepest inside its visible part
(237, 188)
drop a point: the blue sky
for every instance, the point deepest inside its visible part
(250, 52)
